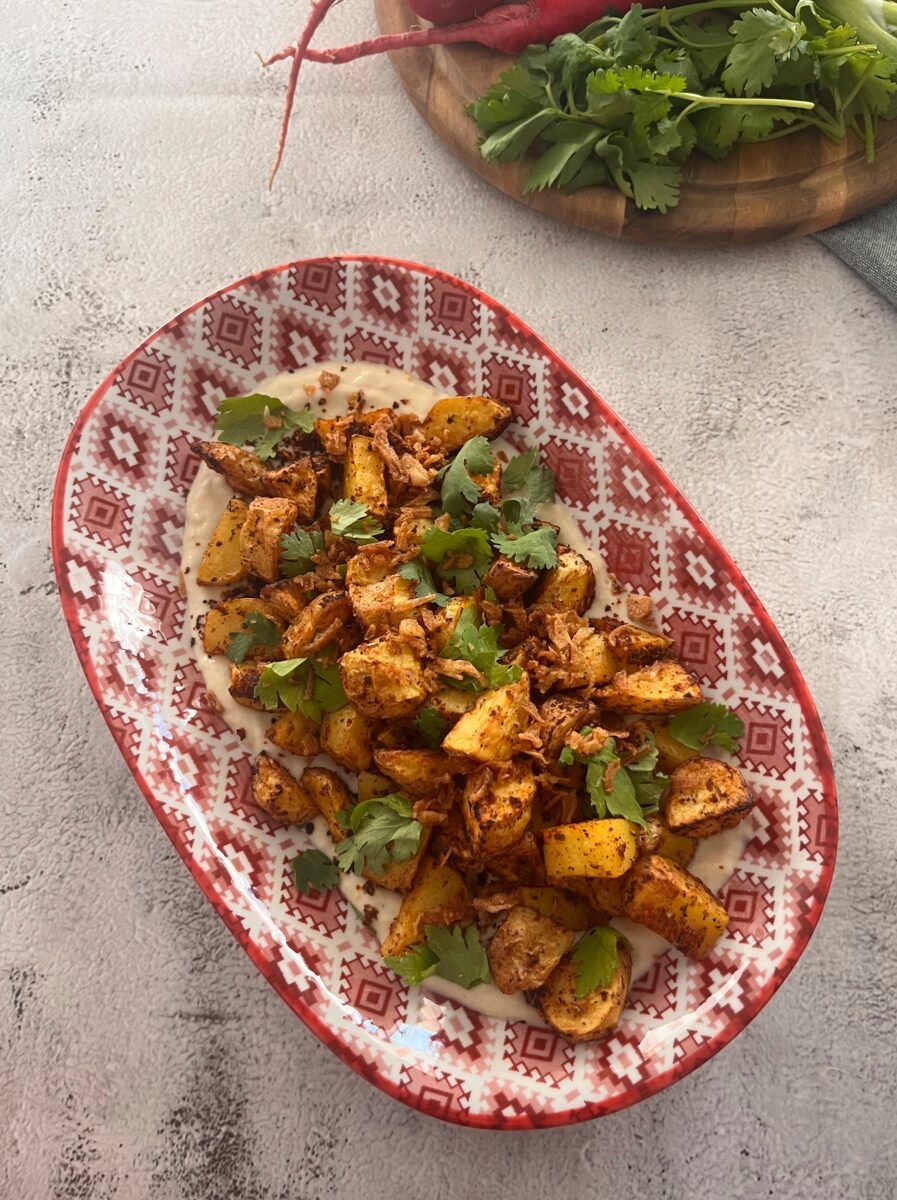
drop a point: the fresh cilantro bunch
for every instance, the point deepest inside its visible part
(707, 725)
(615, 790)
(596, 957)
(478, 644)
(452, 953)
(262, 421)
(308, 685)
(627, 101)
(381, 830)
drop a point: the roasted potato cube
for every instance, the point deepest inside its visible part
(674, 903)
(525, 949)
(297, 481)
(572, 911)
(488, 732)
(386, 603)
(489, 484)
(365, 476)
(410, 526)
(384, 678)
(559, 717)
(508, 579)
(601, 849)
(451, 703)
(656, 838)
(663, 687)
(438, 897)
(417, 772)
(636, 646)
(454, 420)
(242, 469)
(592, 664)
(608, 896)
(281, 796)
(286, 597)
(296, 733)
(522, 863)
(595, 1014)
(329, 795)
(346, 737)
(243, 680)
(221, 563)
(267, 520)
(371, 784)
(325, 621)
(671, 753)
(446, 619)
(228, 617)
(498, 806)
(705, 797)
(371, 564)
(570, 585)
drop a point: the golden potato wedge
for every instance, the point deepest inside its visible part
(521, 863)
(657, 838)
(297, 481)
(281, 796)
(329, 795)
(671, 752)
(508, 579)
(451, 703)
(674, 903)
(568, 909)
(228, 617)
(346, 737)
(570, 585)
(365, 476)
(242, 469)
(384, 678)
(635, 646)
(488, 732)
(371, 784)
(221, 563)
(498, 805)
(596, 1014)
(267, 520)
(446, 619)
(601, 849)
(663, 687)
(243, 680)
(296, 733)
(438, 896)
(705, 797)
(417, 772)
(454, 420)
(525, 949)
(324, 621)
(385, 603)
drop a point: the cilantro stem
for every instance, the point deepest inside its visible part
(851, 95)
(764, 101)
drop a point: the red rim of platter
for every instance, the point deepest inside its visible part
(117, 519)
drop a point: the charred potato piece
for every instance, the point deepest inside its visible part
(364, 479)
(672, 902)
(522, 863)
(371, 784)
(561, 716)
(386, 603)
(488, 732)
(383, 678)
(705, 797)
(438, 896)
(286, 597)
(656, 838)
(671, 752)
(452, 704)
(242, 469)
(663, 687)
(508, 579)
(570, 585)
(267, 520)
(417, 772)
(525, 949)
(595, 1014)
(446, 619)
(498, 807)
(454, 420)
(296, 733)
(297, 481)
(243, 680)
(593, 663)
(281, 796)
(221, 563)
(600, 849)
(329, 795)
(346, 737)
(228, 618)
(325, 621)
(606, 895)
(371, 564)
(636, 646)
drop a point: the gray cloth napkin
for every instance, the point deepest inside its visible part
(869, 245)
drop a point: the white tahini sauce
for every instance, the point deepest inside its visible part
(385, 387)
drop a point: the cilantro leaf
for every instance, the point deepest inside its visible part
(418, 572)
(707, 725)
(413, 967)
(296, 550)
(535, 549)
(535, 482)
(383, 831)
(596, 956)
(459, 491)
(763, 38)
(462, 555)
(431, 726)
(308, 685)
(485, 516)
(351, 520)
(257, 631)
(478, 644)
(460, 955)
(261, 420)
(615, 790)
(314, 871)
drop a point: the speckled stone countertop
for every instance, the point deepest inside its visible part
(141, 1055)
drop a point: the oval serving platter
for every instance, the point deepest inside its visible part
(117, 519)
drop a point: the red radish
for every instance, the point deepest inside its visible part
(447, 12)
(508, 28)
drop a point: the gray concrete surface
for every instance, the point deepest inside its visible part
(142, 1056)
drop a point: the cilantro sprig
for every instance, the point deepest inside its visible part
(431, 726)
(535, 548)
(615, 789)
(313, 871)
(427, 588)
(381, 830)
(257, 631)
(297, 549)
(452, 953)
(597, 957)
(462, 556)
(460, 492)
(707, 725)
(478, 644)
(262, 421)
(349, 519)
(308, 685)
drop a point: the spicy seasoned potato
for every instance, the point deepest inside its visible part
(267, 520)
(593, 1016)
(589, 849)
(385, 603)
(525, 950)
(521, 863)
(569, 585)
(671, 753)
(384, 678)
(365, 476)
(490, 484)
(705, 797)
(221, 564)
(417, 772)
(371, 784)
(560, 716)
(297, 481)
(451, 703)
(498, 805)
(228, 618)
(636, 646)
(242, 470)
(595, 662)
(287, 598)
(570, 910)
(446, 619)
(281, 796)
(663, 687)
(346, 737)
(657, 838)
(438, 896)
(371, 564)
(296, 733)
(488, 732)
(244, 679)
(509, 579)
(399, 876)
(608, 896)
(455, 419)
(329, 795)
(324, 621)
(674, 903)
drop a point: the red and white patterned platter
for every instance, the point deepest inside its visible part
(117, 520)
